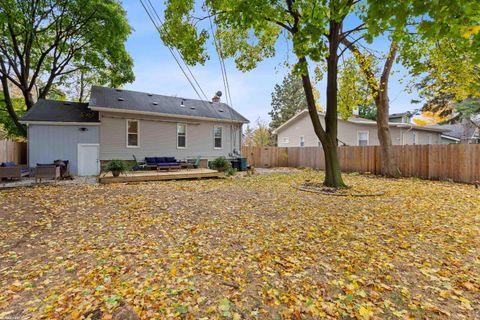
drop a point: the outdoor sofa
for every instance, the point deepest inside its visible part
(162, 163)
(10, 170)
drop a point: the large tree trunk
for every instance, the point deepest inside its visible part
(333, 176)
(389, 164)
(9, 105)
(28, 97)
(380, 92)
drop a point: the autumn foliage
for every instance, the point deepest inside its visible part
(249, 248)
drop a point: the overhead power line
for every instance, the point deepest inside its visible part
(152, 13)
(218, 47)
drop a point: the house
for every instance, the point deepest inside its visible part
(403, 117)
(121, 124)
(464, 132)
(298, 132)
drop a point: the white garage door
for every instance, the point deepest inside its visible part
(88, 163)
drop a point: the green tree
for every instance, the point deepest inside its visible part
(249, 31)
(450, 82)
(258, 136)
(288, 98)
(7, 125)
(353, 91)
(262, 135)
(405, 24)
(52, 39)
(315, 30)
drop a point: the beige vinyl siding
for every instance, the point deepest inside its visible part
(348, 133)
(158, 137)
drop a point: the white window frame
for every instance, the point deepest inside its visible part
(358, 137)
(414, 138)
(186, 144)
(221, 138)
(302, 139)
(286, 140)
(127, 133)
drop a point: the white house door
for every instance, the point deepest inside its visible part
(88, 163)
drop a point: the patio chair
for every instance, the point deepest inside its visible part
(10, 170)
(138, 165)
(47, 171)
(195, 162)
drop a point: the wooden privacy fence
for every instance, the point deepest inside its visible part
(13, 151)
(457, 162)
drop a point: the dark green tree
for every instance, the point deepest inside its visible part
(288, 98)
(51, 39)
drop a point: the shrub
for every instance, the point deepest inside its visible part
(116, 165)
(230, 172)
(220, 164)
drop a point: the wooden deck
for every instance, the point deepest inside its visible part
(152, 175)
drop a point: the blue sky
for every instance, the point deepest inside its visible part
(156, 71)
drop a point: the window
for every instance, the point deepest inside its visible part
(217, 137)
(286, 140)
(132, 133)
(181, 135)
(362, 138)
(302, 141)
(414, 138)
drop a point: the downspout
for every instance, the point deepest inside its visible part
(403, 134)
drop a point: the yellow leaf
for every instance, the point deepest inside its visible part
(471, 31)
(173, 271)
(365, 313)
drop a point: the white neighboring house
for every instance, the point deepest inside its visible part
(298, 132)
(123, 124)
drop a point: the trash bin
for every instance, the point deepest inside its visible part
(235, 164)
(242, 164)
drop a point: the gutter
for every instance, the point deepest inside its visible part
(166, 115)
(60, 123)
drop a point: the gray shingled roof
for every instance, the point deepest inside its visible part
(462, 131)
(60, 111)
(126, 100)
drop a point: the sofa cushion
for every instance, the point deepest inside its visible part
(170, 159)
(9, 164)
(160, 160)
(150, 160)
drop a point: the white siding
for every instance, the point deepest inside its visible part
(158, 137)
(47, 143)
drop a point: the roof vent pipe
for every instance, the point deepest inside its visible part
(216, 97)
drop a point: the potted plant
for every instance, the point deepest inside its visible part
(116, 167)
(220, 164)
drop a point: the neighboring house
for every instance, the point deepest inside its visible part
(464, 132)
(404, 117)
(298, 132)
(120, 124)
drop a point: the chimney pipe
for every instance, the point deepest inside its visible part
(216, 97)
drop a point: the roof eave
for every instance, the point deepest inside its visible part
(60, 123)
(166, 115)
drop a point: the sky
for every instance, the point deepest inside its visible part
(156, 71)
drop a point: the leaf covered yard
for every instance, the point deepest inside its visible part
(249, 248)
